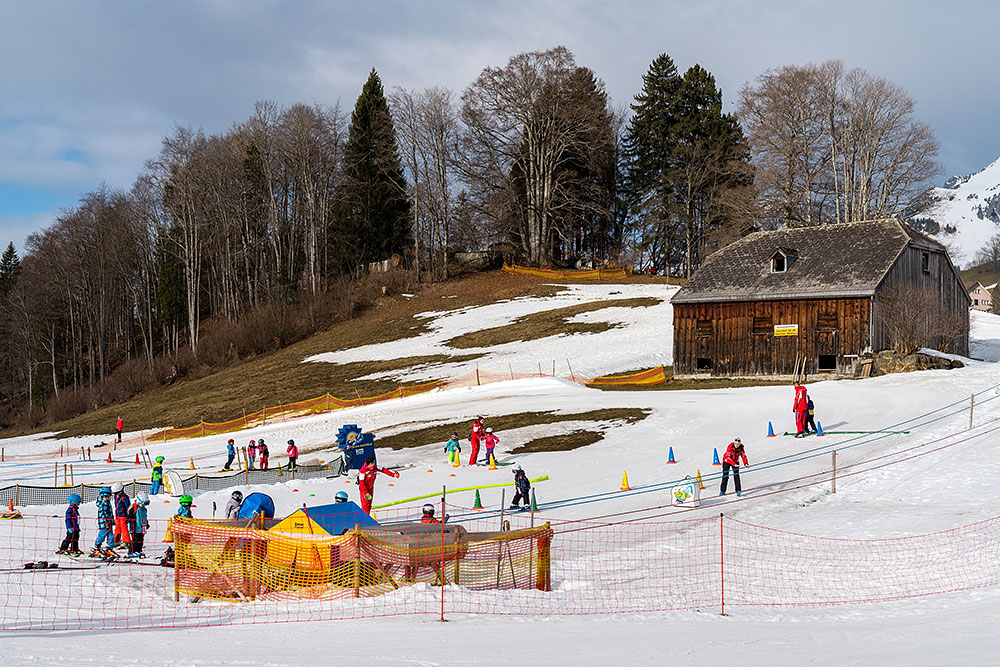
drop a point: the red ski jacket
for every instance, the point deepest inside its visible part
(477, 433)
(366, 476)
(732, 458)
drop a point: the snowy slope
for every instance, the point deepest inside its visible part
(965, 213)
(922, 491)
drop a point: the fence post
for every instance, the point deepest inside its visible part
(72, 477)
(196, 481)
(327, 401)
(572, 377)
(444, 492)
(477, 375)
(972, 405)
(56, 475)
(65, 477)
(203, 428)
(17, 494)
(88, 450)
(722, 567)
(244, 417)
(833, 478)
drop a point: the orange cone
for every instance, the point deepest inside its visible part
(10, 505)
(137, 459)
(625, 486)
(109, 457)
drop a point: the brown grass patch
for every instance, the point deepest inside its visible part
(441, 433)
(547, 323)
(559, 443)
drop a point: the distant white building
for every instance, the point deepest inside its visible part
(981, 297)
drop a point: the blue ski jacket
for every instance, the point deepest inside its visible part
(72, 518)
(104, 513)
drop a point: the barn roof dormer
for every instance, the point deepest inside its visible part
(782, 259)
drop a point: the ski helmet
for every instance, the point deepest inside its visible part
(159, 459)
(253, 442)
(74, 499)
(238, 496)
(291, 442)
(186, 500)
(105, 491)
(489, 429)
(341, 497)
(429, 510)
(142, 498)
(518, 468)
(231, 441)
(117, 487)
(454, 433)
(737, 441)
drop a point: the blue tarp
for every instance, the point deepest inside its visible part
(339, 518)
(254, 503)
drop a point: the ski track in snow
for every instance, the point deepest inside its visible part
(922, 494)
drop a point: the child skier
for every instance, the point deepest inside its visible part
(474, 438)
(453, 448)
(71, 544)
(523, 488)
(264, 453)
(105, 524)
(810, 415)
(121, 503)
(138, 524)
(185, 506)
(293, 454)
(428, 515)
(233, 506)
(252, 452)
(157, 478)
(231, 453)
(491, 441)
(366, 482)
(731, 459)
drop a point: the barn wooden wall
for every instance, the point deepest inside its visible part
(735, 350)
(940, 276)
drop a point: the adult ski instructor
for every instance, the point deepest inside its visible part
(475, 437)
(366, 482)
(801, 409)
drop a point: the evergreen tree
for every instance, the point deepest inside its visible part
(374, 210)
(10, 266)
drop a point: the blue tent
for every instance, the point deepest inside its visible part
(254, 503)
(339, 518)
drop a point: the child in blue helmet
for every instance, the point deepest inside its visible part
(105, 524)
(138, 524)
(71, 544)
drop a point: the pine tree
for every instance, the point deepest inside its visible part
(10, 267)
(374, 209)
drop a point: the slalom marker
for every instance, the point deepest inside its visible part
(670, 456)
(770, 431)
(715, 457)
(625, 486)
(819, 429)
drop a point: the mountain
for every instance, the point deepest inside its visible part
(963, 214)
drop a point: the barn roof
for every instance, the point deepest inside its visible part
(837, 260)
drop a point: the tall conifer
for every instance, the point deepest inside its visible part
(375, 212)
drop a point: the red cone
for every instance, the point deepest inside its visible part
(109, 457)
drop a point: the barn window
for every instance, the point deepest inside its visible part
(762, 326)
(703, 364)
(778, 263)
(827, 363)
(925, 262)
(826, 322)
(705, 328)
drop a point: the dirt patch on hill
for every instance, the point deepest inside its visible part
(547, 323)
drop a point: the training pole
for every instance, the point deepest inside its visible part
(833, 478)
(444, 492)
(972, 406)
(722, 568)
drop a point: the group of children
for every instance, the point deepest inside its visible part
(122, 523)
(479, 436)
(258, 448)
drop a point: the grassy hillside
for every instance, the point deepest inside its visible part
(282, 377)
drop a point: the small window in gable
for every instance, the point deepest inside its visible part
(705, 328)
(826, 322)
(925, 262)
(778, 263)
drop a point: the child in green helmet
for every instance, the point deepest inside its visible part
(185, 506)
(157, 479)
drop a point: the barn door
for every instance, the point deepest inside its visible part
(827, 360)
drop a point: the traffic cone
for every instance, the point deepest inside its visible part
(493, 463)
(192, 463)
(534, 506)
(625, 486)
(109, 457)
(456, 463)
(478, 505)
(701, 484)
(715, 457)
(819, 429)
(670, 456)
(10, 505)
(137, 459)
(770, 430)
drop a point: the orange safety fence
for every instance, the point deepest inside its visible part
(715, 564)
(593, 274)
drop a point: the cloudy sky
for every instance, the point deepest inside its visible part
(88, 89)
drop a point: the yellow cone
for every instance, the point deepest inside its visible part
(192, 463)
(701, 484)
(493, 463)
(625, 486)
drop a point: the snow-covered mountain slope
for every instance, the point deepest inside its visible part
(963, 214)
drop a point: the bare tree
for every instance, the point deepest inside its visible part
(835, 146)
(915, 317)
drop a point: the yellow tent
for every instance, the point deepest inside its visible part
(299, 523)
(303, 553)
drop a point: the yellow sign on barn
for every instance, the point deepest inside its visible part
(786, 329)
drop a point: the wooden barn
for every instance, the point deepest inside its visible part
(812, 300)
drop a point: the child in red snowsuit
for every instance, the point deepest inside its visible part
(801, 409)
(474, 438)
(366, 482)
